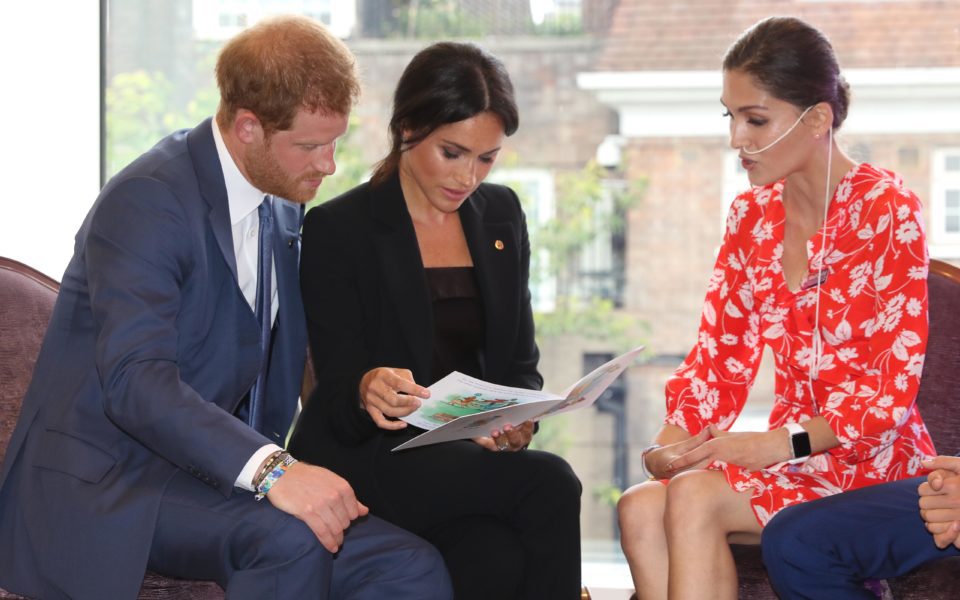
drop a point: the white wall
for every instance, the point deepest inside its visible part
(50, 152)
(672, 104)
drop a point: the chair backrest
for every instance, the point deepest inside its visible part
(940, 382)
(26, 302)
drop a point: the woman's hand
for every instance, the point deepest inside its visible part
(387, 392)
(657, 460)
(752, 450)
(510, 439)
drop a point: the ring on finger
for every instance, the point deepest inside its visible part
(502, 443)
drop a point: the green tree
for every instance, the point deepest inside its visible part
(352, 170)
(141, 109)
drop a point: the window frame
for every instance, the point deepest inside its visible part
(943, 243)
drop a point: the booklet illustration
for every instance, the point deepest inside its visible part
(463, 407)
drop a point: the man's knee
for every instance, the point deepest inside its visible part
(379, 560)
(419, 556)
(416, 570)
(277, 556)
(781, 536)
(286, 542)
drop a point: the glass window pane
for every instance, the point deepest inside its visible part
(952, 224)
(952, 199)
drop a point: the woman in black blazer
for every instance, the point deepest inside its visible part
(422, 271)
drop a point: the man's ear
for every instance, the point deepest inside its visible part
(246, 126)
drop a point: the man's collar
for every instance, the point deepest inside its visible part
(242, 196)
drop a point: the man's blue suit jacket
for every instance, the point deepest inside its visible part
(150, 349)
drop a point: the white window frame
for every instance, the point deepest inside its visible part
(943, 243)
(538, 186)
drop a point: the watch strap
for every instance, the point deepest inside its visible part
(799, 442)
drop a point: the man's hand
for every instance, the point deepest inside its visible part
(387, 392)
(320, 498)
(940, 500)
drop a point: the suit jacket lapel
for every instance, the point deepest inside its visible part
(405, 284)
(286, 252)
(495, 250)
(206, 162)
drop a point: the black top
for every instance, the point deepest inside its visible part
(458, 321)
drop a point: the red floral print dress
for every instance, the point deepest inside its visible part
(873, 330)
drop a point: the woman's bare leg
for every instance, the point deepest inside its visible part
(644, 541)
(702, 515)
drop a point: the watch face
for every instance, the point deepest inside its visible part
(801, 444)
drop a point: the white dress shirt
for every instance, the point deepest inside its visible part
(244, 201)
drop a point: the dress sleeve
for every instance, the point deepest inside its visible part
(712, 384)
(888, 263)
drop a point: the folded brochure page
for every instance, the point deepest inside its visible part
(461, 406)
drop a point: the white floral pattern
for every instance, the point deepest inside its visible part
(872, 328)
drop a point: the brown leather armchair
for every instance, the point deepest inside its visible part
(26, 302)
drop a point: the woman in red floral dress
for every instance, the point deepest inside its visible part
(824, 261)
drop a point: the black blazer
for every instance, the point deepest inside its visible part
(367, 303)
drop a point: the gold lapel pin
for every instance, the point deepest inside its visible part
(498, 245)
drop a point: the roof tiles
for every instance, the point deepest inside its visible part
(647, 35)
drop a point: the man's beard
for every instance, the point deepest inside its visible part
(267, 176)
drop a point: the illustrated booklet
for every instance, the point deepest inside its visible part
(461, 407)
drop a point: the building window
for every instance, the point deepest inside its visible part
(535, 187)
(595, 268)
(945, 204)
(600, 268)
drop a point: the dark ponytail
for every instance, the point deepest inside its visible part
(793, 61)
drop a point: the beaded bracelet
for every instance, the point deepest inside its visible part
(268, 464)
(275, 473)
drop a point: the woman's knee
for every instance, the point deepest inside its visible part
(693, 496)
(558, 482)
(640, 508)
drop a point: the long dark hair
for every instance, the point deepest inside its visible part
(445, 83)
(793, 61)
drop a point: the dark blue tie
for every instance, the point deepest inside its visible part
(264, 314)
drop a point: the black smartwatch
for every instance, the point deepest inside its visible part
(799, 442)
